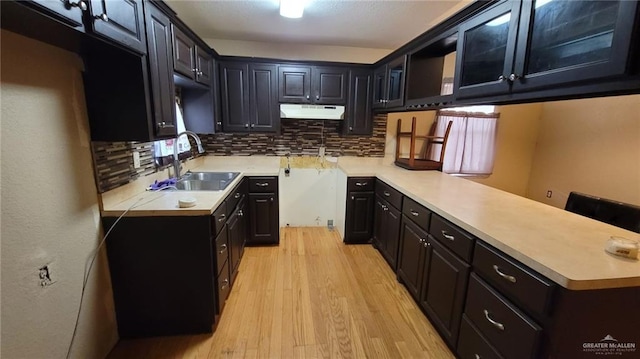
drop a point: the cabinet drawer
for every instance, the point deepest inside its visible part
(221, 246)
(419, 214)
(235, 196)
(218, 218)
(509, 330)
(471, 344)
(263, 184)
(224, 286)
(360, 184)
(389, 194)
(460, 242)
(513, 279)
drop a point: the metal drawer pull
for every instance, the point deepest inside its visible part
(495, 324)
(427, 244)
(447, 235)
(265, 184)
(510, 278)
(422, 240)
(222, 217)
(477, 356)
(240, 213)
(224, 248)
(226, 284)
(237, 196)
(386, 194)
(361, 184)
(414, 213)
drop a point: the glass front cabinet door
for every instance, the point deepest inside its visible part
(537, 44)
(571, 41)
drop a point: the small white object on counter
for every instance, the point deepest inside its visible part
(186, 202)
(622, 247)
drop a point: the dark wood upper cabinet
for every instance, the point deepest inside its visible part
(379, 87)
(204, 67)
(121, 21)
(234, 91)
(69, 12)
(184, 49)
(161, 71)
(313, 84)
(294, 84)
(264, 112)
(535, 45)
(389, 84)
(359, 120)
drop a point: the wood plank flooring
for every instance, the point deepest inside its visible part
(310, 297)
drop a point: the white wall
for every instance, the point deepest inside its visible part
(49, 208)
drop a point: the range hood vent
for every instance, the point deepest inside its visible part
(312, 112)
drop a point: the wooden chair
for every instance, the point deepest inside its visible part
(421, 164)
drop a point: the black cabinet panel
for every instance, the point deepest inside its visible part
(294, 83)
(379, 87)
(69, 12)
(183, 53)
(359, 217)
(121, 21)
(359, 120)
(263, 100)
(161, 71)
(263, 214)
(330, 85)
(204, 67)
(234, 88)
(412, 256)
(396, 73)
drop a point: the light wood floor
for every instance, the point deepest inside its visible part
(310, 297)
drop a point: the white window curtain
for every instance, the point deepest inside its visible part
(471, 144)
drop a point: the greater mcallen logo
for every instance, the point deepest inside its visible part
(609, 346)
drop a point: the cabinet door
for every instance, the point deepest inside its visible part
(379, 226)
(412, 256)
(183, 53)
(264, 112)
(234, 87)
(69, 12)
(233, 231)
(161, 71)
(359, 217)
(294, 84)
(121, 21)
(396, 73)
(486, 45)
(263, 218)
(204, 66)
(379, 87)
(392, 235)
(329, 85)
(570, 41)
(443, 290)
(359, 121)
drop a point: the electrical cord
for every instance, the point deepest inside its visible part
(95, 255)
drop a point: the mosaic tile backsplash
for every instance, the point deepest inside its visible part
(113, 161)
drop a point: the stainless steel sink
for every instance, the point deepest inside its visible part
(206, 181)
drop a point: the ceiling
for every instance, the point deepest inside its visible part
(355, 23)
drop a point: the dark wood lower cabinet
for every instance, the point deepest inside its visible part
(386, 231)
(359, 217)
(263, 219)
(412, 257)
(236, 227)
(444, 288)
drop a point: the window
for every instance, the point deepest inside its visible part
(471, 145)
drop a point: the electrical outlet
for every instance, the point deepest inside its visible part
(321, 151)
(549, 193)
(136, 159)
(330, 224)
(45, 276)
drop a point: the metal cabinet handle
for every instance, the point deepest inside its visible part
(447, 235)
(386, 194)
(307, 97)
(222, 217)
(271, 199)
(162, 124)
(102, 17)
(495, 324)
(414, 213)
(219, 123)
(246, 125)
(317, 97)
(224, 248)
(427, 244)
(262, 184)
(385, 208)
(513, 77)
(361, 184)
(240, 213)
(226, 283)
(476, 356)
(198, 73)
(501, 78)
(237, 195)
(422, 240)
(253, 125)
(510, 278)
(79, 4)
(350, 128)
(352, 198)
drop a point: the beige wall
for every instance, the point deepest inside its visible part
(590, 146)
(515, 146)
(297, 51)
(424, 119)
(49, 208)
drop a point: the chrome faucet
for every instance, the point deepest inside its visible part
(176, 160)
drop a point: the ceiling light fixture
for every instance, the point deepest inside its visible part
(291, 8)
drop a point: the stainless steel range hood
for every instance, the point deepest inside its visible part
(309, 112)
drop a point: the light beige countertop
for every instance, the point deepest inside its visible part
(134, 199)
(565, 247)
